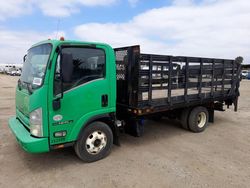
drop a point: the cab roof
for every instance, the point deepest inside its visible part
(73, 42)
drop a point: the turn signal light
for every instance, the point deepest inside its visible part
(60, 134)
(59, 146)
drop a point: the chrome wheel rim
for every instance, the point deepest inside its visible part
(201, 119)
(96, 142)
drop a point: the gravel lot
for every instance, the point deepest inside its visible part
(166, 156)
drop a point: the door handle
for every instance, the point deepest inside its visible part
(104, 100)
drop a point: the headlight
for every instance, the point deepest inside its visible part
(36, 128)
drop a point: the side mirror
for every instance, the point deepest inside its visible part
(24, 58)
(66, 67)
(56, 104)
(66, 70)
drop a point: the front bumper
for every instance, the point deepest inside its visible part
(28, 143)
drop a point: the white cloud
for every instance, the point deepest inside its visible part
(211, 28)
(133, 3)
(56, 8)
(14, 45)
(183, 2)
(13, 8)
(63, 8)
(96, 2)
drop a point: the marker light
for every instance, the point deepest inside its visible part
(61, 38)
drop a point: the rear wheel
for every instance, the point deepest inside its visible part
(95, 142)
(198, 119)
(184, 118)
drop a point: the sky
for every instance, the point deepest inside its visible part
(207, 28)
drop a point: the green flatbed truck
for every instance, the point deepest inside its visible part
(83, 94)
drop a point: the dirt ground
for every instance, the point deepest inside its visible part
(166, 156)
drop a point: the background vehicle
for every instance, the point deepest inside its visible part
(18, 72)
(7, 69)
(81, 94)
(244, 74)
(248, 76)
(14, 72)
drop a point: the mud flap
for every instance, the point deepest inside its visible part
(236, 104)
(211, 115)
(116, 134)
(135, 127)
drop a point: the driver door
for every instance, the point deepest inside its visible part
(84, 84)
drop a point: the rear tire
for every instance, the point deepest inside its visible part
(184, 118)
(198, 119)
(95, 142)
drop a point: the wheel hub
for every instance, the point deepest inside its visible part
(201, 119)
(96, 142)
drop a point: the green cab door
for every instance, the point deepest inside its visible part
(83, 77)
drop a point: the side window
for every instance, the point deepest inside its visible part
(80, 65)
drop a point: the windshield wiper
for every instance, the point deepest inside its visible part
(19, 84)
(29, 87)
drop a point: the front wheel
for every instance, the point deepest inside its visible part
(95, 142)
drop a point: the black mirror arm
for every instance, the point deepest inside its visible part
(24, 58)
(57, 102)
(61, 74)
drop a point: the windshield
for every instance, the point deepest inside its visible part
(35, 65)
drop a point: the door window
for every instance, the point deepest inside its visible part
(82, 65)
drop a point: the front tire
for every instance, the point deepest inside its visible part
(95, 142)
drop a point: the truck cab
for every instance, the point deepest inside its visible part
(66, 94)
